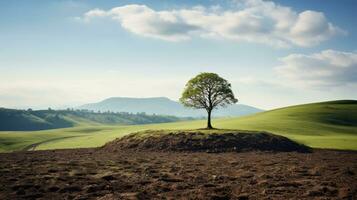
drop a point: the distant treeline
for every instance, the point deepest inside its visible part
(26, 120)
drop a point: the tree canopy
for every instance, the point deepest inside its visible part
(207, 91)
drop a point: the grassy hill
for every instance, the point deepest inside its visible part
(324, 125)
(31, 120)
(22, 120)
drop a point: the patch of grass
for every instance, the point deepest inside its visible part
(330, 125)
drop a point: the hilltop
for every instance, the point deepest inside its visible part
(213, 141)
(164, 106)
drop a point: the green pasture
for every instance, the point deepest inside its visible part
(330, 125)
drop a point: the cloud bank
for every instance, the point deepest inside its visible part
(255, 21)
(327, 68)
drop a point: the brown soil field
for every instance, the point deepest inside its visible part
(125, 174)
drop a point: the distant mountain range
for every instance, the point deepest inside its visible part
(164, 106)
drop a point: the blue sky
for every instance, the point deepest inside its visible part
(275, 53)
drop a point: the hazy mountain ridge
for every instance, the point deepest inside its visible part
(164, 106)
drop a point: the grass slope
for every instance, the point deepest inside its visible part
(29, 120)
(324, 125)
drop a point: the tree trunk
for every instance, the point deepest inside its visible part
(209, 126)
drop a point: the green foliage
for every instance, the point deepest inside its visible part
(207, 91)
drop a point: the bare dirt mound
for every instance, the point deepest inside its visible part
(214, 141)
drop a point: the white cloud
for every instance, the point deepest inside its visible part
(249, 20)
(95, 13)
(141, 20)
(312, 28)
(327, 68)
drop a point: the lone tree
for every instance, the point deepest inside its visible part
(207, 91)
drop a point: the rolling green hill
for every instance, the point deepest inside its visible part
(322, 125)
(326, 125)
(32, 120)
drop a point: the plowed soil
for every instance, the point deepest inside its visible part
(126, 174)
